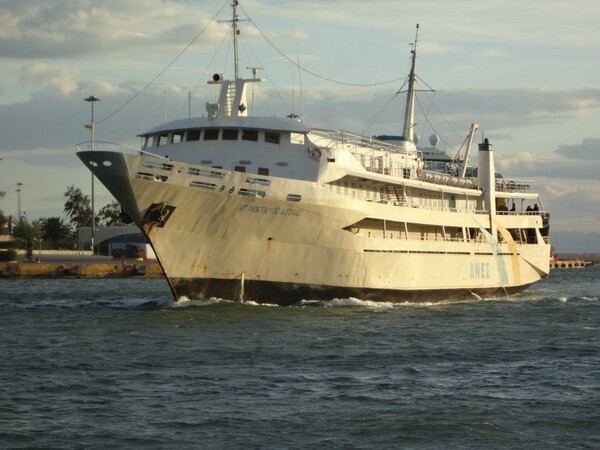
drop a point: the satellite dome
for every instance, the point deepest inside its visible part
(434, 139)
(416, 138)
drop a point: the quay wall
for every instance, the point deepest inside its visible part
(116, 269)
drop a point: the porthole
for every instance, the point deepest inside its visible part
(93, 164)
(107, 163)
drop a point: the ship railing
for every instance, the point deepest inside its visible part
(382, 165)
(511, 185)
(479, 238)
(407, 203)
(113, 147)
(346, 137)
(522, 213)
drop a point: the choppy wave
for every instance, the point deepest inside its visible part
(141, 303)
(185, 302)
(351, 302)
(345, 302)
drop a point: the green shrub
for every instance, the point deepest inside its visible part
(133, 251)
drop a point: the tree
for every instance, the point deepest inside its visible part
(110, 215)
(3, 220)
(56, 231)
(77, 207)
(28, 231)
(79, 212)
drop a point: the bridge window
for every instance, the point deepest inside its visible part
(193, 135)
(250, 135)
(272, 137)
(162, 139)
(230, 134)
(177, 137)
(297, 138)
(211, 134)
(240, 168)
(263, 171)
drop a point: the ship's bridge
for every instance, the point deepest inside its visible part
(262, 145)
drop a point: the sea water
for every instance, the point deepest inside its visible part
(108, 363)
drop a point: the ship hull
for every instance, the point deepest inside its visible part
(286, 294)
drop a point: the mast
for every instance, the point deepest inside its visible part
(232, 98)
(234, 22)
(409, 113)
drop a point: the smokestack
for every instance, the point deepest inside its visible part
(487, 182)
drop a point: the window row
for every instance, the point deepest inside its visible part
(211, 134)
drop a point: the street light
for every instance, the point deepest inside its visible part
(19, 184)
(91, 99)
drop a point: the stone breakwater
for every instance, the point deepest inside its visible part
(114, 269)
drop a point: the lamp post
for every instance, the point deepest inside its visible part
(19, 184)
(91, 99)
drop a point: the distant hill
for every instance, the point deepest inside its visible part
(575, 242)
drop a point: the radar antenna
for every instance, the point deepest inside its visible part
(254, 72)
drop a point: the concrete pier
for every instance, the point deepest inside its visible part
(89, 268)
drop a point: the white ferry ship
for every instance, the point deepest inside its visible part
(271, 210)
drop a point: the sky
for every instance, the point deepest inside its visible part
(527, 72)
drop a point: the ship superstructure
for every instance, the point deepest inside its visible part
(271, 210)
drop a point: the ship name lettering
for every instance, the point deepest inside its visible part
(272, 211)
(291, 212)
(480, 270)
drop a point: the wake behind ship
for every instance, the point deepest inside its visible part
(271, 210)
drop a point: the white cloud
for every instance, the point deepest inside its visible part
(526, 164)
(571, 205)
(67, 28)
(41, 74)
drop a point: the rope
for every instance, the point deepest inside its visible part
(310, 72)
(165, 68)
(379, 114)
(429, 123)
(202, 77)
(269, 78)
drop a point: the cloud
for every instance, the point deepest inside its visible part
(571, 204)
(41, 74)
(55, 113)
(526, 164)
(588, 149)
(75, 28)
(521, 106)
